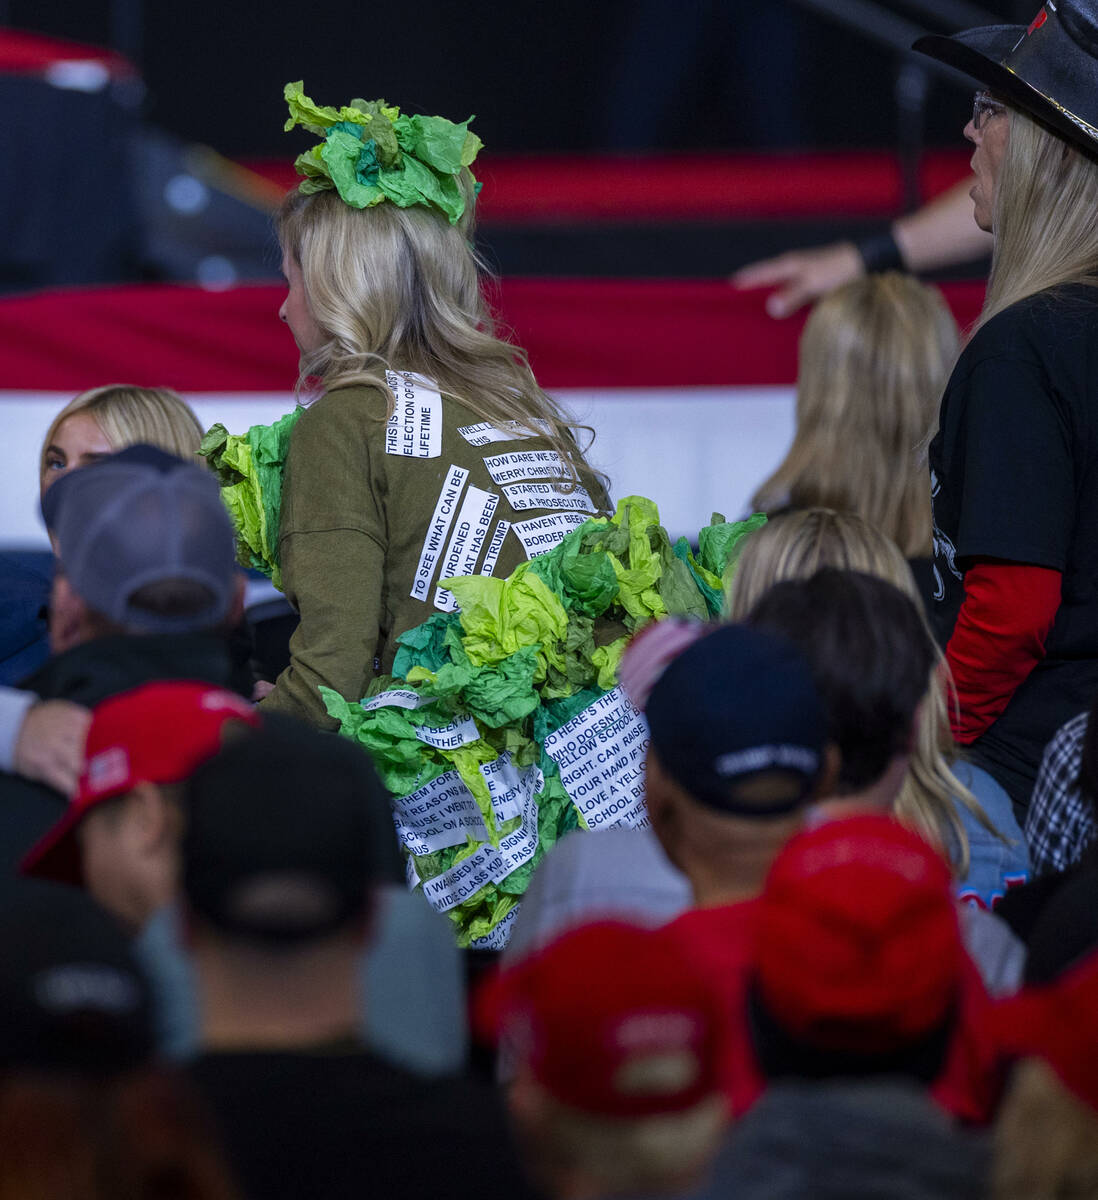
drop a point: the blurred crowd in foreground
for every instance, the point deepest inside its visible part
(843, 943)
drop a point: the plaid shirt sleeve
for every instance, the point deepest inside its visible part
(1061, 822)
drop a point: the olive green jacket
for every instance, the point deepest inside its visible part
(377, 509)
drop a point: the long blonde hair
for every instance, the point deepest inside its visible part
(128, 414)
(399, 288)
(1046, 1139)
(1044, 221)
(795, 546)
(874, 357)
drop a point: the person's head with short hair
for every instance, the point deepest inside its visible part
(1046, 1137)
(874, 358)
(107, 419)
(870, 654)
(281, 852)
(121, 833)
(857, 964)
(616, 1041)
(737, 752)
(144, 545)
(796, 545)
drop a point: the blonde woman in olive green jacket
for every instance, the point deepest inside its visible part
(431, 452)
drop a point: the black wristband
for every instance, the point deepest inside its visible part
(880, 252)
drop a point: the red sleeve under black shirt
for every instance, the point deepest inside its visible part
(1014, 476)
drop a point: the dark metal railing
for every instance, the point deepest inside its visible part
(882, 25)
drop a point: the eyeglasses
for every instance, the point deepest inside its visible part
(984, 105)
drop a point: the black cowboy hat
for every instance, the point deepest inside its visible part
(1049, 69)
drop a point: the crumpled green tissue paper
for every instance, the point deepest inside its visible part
(525, 655)
(521, 656)
(249, 468)
(372, 152)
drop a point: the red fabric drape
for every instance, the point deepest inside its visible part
(579, 333)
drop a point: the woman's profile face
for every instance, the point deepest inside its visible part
(989, 135)
(295, 310)
(77, 441)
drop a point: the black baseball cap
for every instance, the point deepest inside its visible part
(72, 996)
(734, 704)
(287, 832)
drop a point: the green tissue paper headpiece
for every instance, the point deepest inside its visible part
(371, 153)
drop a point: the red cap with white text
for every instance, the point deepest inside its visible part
(610, 1019)
(158, 733)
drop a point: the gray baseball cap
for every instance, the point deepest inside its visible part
(142, 517)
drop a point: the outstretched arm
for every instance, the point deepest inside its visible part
(941, 233)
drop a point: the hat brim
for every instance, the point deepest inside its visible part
(979, 52)
(56, 856)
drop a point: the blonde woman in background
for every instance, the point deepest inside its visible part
(107, 419)
(1014, 466)
(874, 357)
(45, 740)
(625, 874)
(954, 804)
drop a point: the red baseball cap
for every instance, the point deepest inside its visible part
(611, 1019)
(1059, 1023)
(857, 943)
(158, 733)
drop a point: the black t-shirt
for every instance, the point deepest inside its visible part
(299, 1126)
(922, 571)
(1014, 476)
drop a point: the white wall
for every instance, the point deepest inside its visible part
(692, 450)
